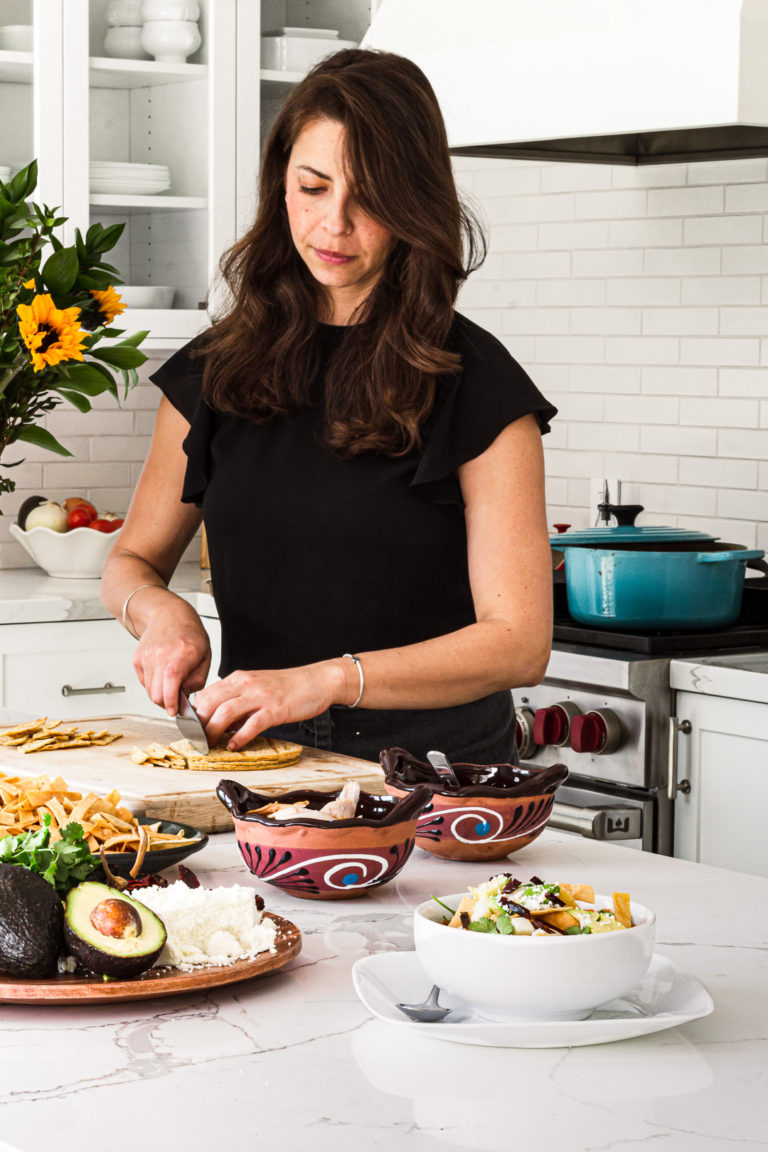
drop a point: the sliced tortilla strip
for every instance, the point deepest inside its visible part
(621, 909)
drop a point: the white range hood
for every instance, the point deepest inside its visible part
(605, 81)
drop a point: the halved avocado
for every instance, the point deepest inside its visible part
(31, 919)
(109, 932)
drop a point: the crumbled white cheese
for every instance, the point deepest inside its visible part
(208, 926)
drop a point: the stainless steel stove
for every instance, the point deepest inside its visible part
(605, 709)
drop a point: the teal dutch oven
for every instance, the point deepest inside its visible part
(652, 578)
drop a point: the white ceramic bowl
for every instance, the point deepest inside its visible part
(532, 977)
(298, 53)
(170, 41)
(124, 13)
(170, 10)
(149, 296)
(75, 555)
(16, 37)
(124, 43)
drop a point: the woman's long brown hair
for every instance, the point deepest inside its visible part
(261, 355)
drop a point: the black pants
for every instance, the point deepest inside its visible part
(482, 732)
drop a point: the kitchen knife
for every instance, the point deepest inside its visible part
(189, 725)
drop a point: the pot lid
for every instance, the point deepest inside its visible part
(627, 532)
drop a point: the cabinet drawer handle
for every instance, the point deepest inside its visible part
(68, 690)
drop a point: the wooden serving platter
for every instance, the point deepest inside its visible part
(182, 796)
(71, 989)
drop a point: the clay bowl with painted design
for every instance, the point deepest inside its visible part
(328, 860)
(497, 810)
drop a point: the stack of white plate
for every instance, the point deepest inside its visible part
(126, 179)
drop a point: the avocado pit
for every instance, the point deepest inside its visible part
(113, 917)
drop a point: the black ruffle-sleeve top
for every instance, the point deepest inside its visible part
(313, 555)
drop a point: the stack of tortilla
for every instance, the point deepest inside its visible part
(263, 752)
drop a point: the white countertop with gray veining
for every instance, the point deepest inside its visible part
(295, 1061)
(735, 675)
(30, 596)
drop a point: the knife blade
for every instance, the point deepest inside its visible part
(188, 723)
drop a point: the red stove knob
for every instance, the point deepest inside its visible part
(598, 732)
(553, 725)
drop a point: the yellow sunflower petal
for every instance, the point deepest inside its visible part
(51, 334)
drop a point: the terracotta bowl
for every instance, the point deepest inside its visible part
(498, 809)
(328, 861)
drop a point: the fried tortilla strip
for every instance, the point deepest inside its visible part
(621, 909)
(583, 892)
(558, 918)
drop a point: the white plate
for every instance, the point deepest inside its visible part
(121, 188)
(665, 998)
(316, 33)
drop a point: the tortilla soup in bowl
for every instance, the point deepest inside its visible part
(498, 808)
(533, 950)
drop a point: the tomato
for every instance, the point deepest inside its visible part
(73, 502)
(79, 517)
(102, 525)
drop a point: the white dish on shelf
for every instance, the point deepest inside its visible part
(134, 167)
(170, 41)
(124, 43)
(146, 296)
(16, 37)
(124, 14)
(318, 33)
(170, 10)
(125, 188)
(664, 998)
(298, 53)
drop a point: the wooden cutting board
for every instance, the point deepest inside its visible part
(172, 794)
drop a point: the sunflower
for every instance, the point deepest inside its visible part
(51, 334)
(109, 303)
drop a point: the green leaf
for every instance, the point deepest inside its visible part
(60, 270)
(121, 356)
(24, 182)
(504, 925)
(76, 399)
(42, 438)
(484, 924)
(91, 379)
(135, 338)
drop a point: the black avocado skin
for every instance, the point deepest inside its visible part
(31, 924)
(101, 954)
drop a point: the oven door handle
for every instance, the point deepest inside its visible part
(613, 822)
(673, 784)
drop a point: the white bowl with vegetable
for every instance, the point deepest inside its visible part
(522, 972)
(79, 554)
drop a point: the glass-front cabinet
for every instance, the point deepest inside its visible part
(159, 128)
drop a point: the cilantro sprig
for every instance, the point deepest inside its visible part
(63, 864)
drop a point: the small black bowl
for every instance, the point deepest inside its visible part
(120, 863)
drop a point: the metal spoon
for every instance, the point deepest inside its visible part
(440, 763)
(429, 1012)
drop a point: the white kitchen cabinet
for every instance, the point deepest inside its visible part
(721, 820)
(76, 669)
(67, 103)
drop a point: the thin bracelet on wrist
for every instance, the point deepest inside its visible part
(128, 598)
(349, 656)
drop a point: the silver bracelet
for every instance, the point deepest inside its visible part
(349, 656)
(127, 602)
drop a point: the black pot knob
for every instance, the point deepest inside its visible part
(625, 514)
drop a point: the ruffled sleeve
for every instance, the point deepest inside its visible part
(472, 408)
(180, 379)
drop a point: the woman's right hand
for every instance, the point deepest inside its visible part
(174, 652)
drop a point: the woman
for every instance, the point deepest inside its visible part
(368, 463)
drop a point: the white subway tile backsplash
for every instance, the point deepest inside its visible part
(743, 505)
(728, 171)
(645, 233)
(537, 265)
(745, 198)
(743, 443)
(721, 290)
(606, 378)
(579, 293)
(677, 380)
(721, 351)
(723, 229)
(641, 410)
(685, 201)
(575, 177)
(677, 441)
(608, 264)
(742, 321)
(616, 321)
(747, 259)
(574, 235)
(743, 382)
(709, 473)
(641, 350)
(682, 261)
(644, 290)
(680, 321)
(591, 436)
(614, 205)
(567, 349)
(537, 320)
(717, 412)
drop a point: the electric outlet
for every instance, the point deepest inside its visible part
(603, 491)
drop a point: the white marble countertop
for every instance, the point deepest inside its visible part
(735, 675)
(30, 596)
(294, 1060)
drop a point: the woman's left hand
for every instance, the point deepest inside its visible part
(250, 702)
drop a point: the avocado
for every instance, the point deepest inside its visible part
(109, 932)
(31, 923)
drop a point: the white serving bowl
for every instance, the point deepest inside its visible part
(298, 53)
(75, 555)
(149, 296)
(124, 13)
(532, 977)
(16, 37)
(124, 43)
(170, 41)
(170, 10)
